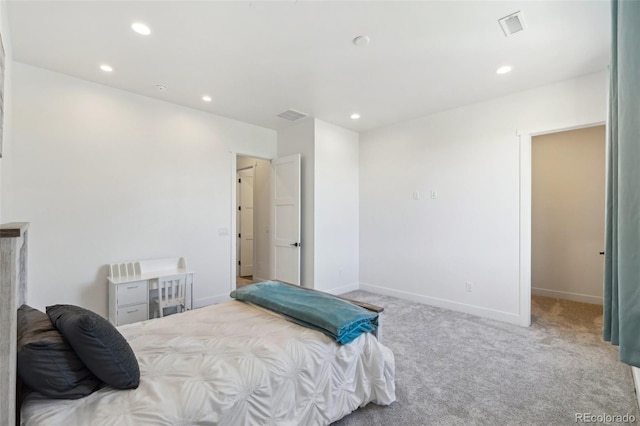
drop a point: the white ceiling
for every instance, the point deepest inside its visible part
(258, 59)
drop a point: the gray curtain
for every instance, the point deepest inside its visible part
(622, 235)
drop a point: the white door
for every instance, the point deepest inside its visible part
(245, 229)
(286, 219)
(238, 224)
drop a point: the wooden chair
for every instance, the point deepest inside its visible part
(172, 292)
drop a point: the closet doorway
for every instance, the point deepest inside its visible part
(253, 205)
(244, 221)
(567, 214)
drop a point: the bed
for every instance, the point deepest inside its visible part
(231, 364)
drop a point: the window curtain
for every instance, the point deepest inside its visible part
(622, 230)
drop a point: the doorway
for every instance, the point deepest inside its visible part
(245, 225)
(276, 219)
(253, 205)
(567, 214)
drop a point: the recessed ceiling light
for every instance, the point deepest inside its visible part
(106, 68)
(206, 98)
(140, 28)
(355, 116)
(361, 41)
(503, 70)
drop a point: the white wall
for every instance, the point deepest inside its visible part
(428, 249)
(299, 139)
(567, 227)
(336, 208)
(330, 221)
(106, 176)
(8, 321)
(262, 215)
(7, 106)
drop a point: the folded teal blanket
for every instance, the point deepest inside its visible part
(335, 317)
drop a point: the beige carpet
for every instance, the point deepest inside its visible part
(459, 369)
(242, 281)
(566, 315)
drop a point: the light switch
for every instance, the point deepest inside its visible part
(416, 195)
(434, 195)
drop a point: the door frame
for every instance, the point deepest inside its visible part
(525, 137)
(233, 228)
(239, 248)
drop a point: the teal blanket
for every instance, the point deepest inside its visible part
(335, 317)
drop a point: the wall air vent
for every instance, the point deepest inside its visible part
(512, 24)
(292, 115)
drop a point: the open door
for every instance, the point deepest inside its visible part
(245, 224)
(286, 219)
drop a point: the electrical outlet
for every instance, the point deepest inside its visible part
(469, 286)
(434, 195)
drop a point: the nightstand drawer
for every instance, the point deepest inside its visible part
(130, 314)
(132, 293)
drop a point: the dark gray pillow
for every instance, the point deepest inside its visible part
(98, 344)
(46, 363)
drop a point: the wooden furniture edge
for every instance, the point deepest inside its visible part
(13, 290)
(13, 229)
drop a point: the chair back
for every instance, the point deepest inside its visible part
(172, 290)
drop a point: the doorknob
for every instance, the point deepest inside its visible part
(295, 244)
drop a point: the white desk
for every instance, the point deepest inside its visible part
(131, 283)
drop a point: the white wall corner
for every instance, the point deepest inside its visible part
(446, 304)
(525, 230)
(202, 169)
(576, 297)
(343, 289)
(211, 300)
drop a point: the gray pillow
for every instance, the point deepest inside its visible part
(46, 363)
(98, 344)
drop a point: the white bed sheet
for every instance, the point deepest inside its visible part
(232, 364)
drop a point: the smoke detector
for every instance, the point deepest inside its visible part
(161, 88)
(512, 24)
(292, 115)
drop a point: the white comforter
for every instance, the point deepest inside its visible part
(232, 364)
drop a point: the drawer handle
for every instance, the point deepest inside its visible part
(132, 287)
(130, 312)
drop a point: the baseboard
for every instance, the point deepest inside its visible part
(576, 297)
(444, 303)
(212, 300)
(635, 371)
(343, 289)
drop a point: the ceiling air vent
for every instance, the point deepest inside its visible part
(512, 24)
(292, 115)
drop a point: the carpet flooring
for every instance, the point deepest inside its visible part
(242, 281)
(458, 369)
